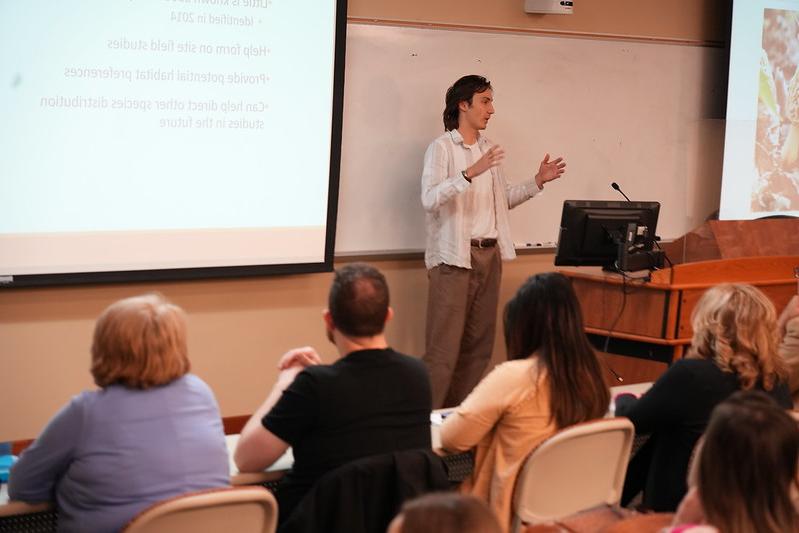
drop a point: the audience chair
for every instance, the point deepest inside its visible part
(248, 509)
(545, 528)
(578, 468)
(589, 521)
(641, 523)
(604, 520)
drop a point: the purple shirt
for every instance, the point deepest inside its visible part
(110, 453)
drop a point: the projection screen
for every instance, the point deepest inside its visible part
(761, 153)
(166, 139)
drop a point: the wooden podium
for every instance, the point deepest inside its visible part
(652, 319)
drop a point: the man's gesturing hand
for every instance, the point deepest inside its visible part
(490, 159)
(549, 170)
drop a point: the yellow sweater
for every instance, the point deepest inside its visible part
(505, 417)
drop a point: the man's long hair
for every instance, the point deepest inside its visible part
(461, 91)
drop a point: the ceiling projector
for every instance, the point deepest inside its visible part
(556, 7)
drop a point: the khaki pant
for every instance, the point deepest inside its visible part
(461, 320)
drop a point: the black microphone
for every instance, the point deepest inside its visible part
(615, 375)
(616, 186)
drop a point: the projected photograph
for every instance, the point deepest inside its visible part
(776, 187)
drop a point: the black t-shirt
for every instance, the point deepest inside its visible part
(676, 411)
(369, 402)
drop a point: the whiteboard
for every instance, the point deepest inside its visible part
(642, 114)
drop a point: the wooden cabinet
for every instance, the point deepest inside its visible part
(652, 319)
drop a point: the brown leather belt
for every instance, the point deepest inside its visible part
(484, 243)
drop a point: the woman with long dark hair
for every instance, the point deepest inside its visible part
(552, 380)
(746, 469)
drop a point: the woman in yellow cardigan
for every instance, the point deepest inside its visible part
(552, 380)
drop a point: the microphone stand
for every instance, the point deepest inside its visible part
(615, 186)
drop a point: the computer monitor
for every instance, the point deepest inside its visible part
(599, 233)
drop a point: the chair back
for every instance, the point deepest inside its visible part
(364, 495)
(579, 467)
(642, 523)
(249, 509)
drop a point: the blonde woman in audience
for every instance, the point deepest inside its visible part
(553, 380)
(152, 430)
(445, 512)
(734, 347)
(747, 468)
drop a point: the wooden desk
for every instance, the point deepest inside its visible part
(42, 516)
(652, 319)
(11, 509)
(272, 473)
(636, 388)
(20, 516)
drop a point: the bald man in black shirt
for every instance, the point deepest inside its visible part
(372, 400)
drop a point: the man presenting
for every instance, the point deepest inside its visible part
(372, 400)
(466, 199)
